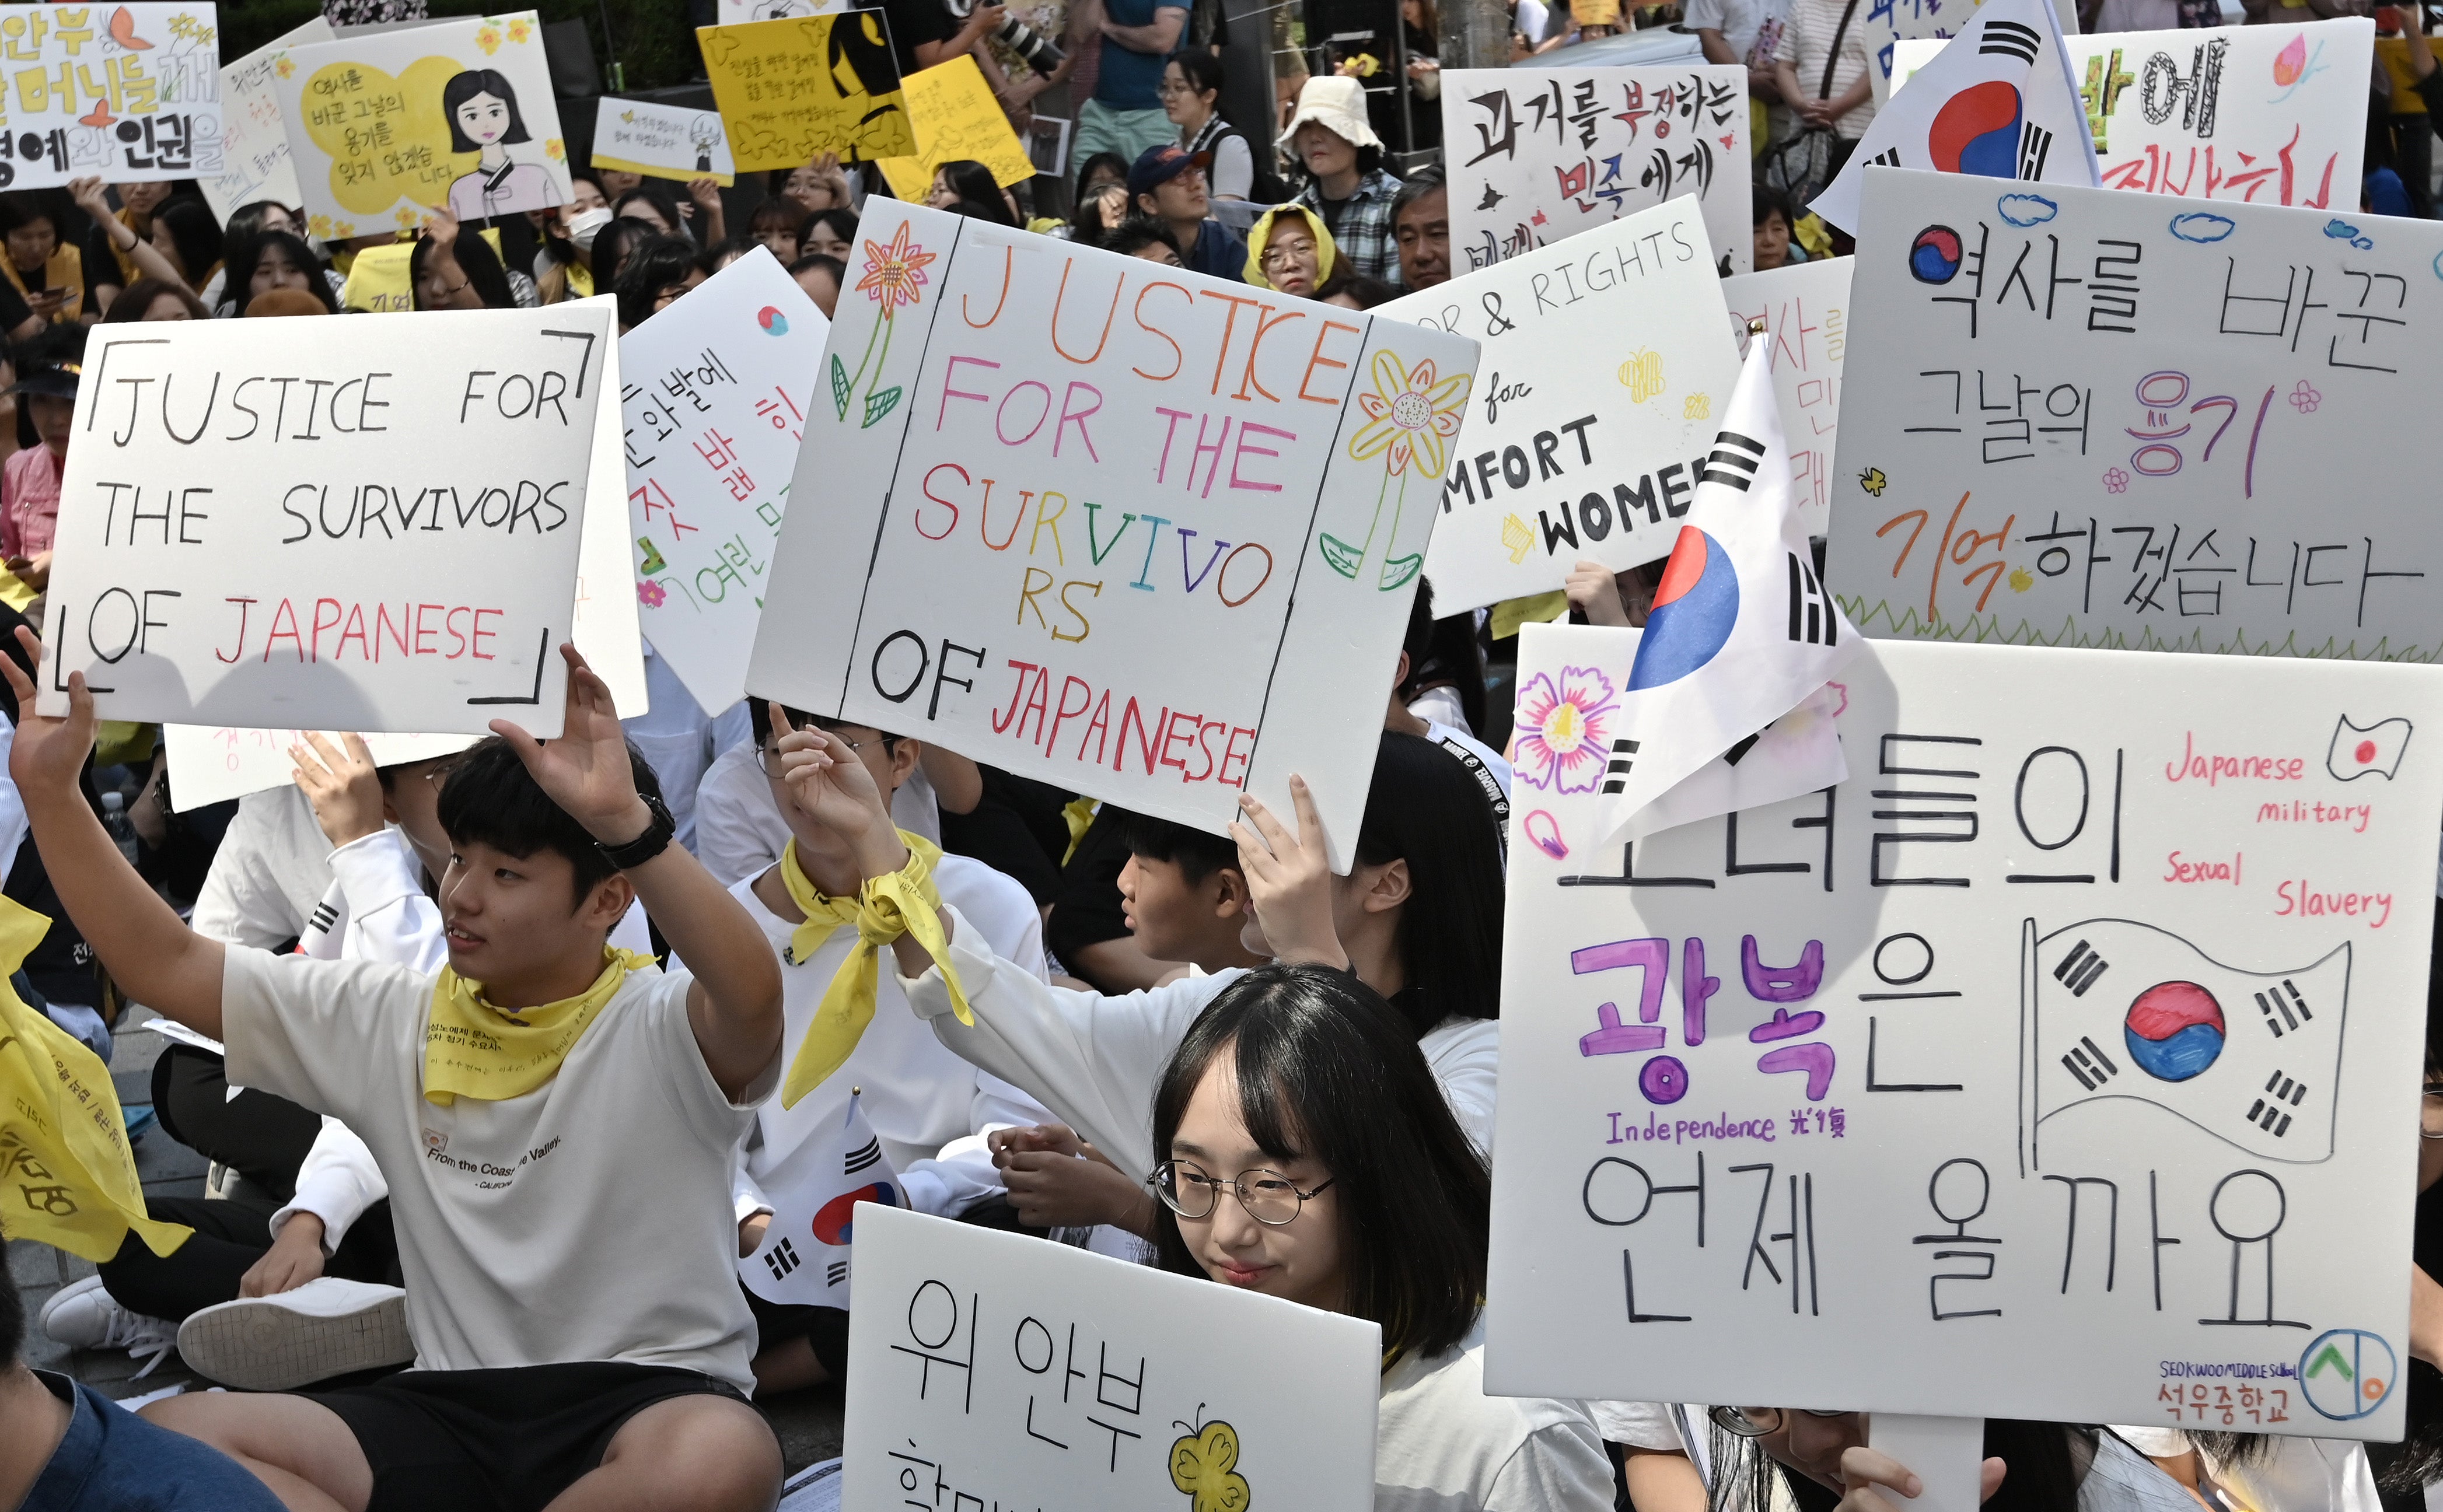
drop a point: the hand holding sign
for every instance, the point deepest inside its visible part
(47, 756)
(586, 770)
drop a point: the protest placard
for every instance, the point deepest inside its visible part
(129, 92)
(730, 13)
(792, 88)
(210, 764)
(306, 534)
(991, 1366)
(956, 119)
(1156, 547)
(714, 407)
(637, 136)
(1885, 23)
(2269, 115)
(383, 125)
(2061, 1063)
(255, 164)
(2090, 418)
(1805, 307)
(1538, 154)
(1607, 360)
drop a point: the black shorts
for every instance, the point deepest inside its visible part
(823, 1328)
(508, 1439)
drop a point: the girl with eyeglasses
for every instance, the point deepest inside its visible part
(1307, 1156)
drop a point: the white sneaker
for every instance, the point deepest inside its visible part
(84, 1316)
(324, 1328)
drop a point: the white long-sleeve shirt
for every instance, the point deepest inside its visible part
(1095, 1060)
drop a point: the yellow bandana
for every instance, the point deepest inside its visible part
(1079, 814)
(474, 1050)
(885, 908)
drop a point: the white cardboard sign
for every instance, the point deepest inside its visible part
(1888, 24)
(254, 143)
(130, 92)
(2092, 418)
(659, 142)
(2078, 1029)
(1538, 154)
(1605, 377)
(714, 408)
(2271, 115)
(277, 527)
(988, 1367)
(209, 765)
(1806, 310)
(1120, 527)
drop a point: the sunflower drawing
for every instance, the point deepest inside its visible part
(1411, 417)
(894, 276)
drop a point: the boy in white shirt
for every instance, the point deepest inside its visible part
(927, 1108)
(522, 1102)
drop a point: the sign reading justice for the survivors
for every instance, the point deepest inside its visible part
(2089, 418)
(988, 1367)
(1608, 365)
(1065, 503)
(2061, 1064)
(278, 527)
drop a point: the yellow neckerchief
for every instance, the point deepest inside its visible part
(885, 908)
(1079, 814)
(581, 280)
(63, 269)
(474, 1050)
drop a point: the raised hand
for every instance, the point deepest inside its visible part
(49, 755)
(829, 785)
(344, 785)
(1289, 879)
(586, 770)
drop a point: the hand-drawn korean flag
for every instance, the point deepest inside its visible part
(2122, 1010)
(2375, 749)
(806, 1251)
(1998, 101)
(1741, 634)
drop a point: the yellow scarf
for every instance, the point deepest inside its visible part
(885, 908)
(1078, 813)
(474, 1050)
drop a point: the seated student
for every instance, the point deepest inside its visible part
(740, 831)
(1305, 1157)
(1416, 919)
(67, 1448)
(821, 278)
(1290, 250)
(519, 1102)
(925, 1105)
(2029, 1467)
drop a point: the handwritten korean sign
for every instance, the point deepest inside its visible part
(957, 119)
(255, 164)
(1066, 495)
(128, 91)
(2091, 418)
(2061, 1063)
(1806, 310)
(990, 1366)
(2265, 115)
(797, 87)
(1538, 154)
(636, 136)
(1606, 371)
(714, 408)
(264, 524)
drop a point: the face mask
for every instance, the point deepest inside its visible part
(582, 226)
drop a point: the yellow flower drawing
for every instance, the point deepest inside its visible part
(489, 40)
(521, 30)
(285, 69)
(406, 217)
(555, 149)
(343, 229)
(1411, 417)
(319, 225)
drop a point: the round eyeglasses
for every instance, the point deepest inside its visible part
(1270, 1197)
(1755, 1422)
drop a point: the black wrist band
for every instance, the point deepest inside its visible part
(656, 839)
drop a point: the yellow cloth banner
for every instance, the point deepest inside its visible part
(885, 908)
(1535, 608)
(66, 1174)
(957, 119)
(793, 88)
(474, 1050)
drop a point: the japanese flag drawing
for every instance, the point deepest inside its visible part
(1742, 634)
(805, 1250)
(2360, 750)
(1998, 100)
(2119, 1010)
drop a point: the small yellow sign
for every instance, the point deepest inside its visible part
(793, 88)
(957, 119)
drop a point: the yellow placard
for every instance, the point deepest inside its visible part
(792, 89)
(379, 279)
(957, 119)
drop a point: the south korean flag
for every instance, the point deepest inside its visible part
(1727, 704)
(1998, 100)
(805, 1257)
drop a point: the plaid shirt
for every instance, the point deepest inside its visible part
(1364, 235)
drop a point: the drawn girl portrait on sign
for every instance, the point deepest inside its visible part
(482, 109)
(705, 135)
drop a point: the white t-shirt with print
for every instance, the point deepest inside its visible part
(1442, 1445)
(587, 1220)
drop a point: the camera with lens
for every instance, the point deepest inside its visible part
(1038, 50)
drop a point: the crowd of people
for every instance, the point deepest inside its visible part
(610, 969)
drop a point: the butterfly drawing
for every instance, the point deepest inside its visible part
(1204, 1465)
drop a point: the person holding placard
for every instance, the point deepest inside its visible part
(926, 1106)
(1305, 1155)
(514, 1100)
